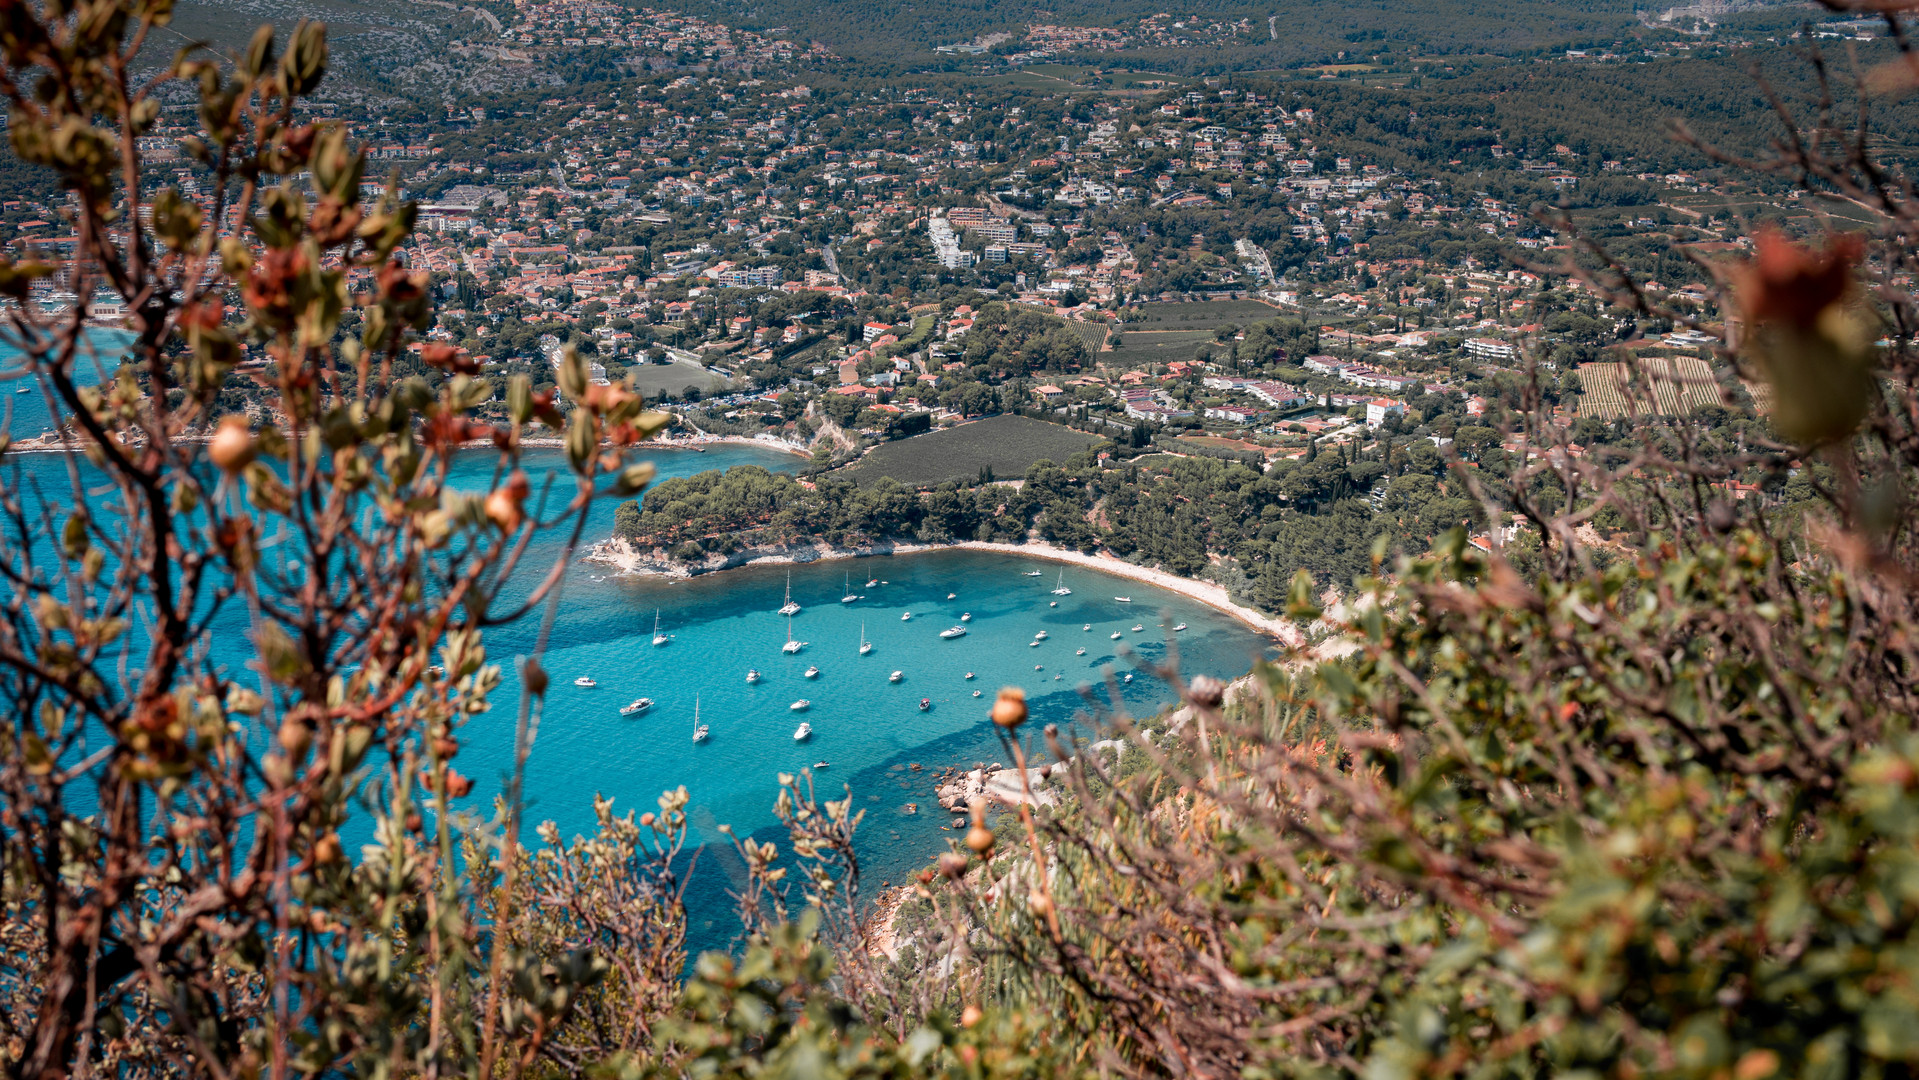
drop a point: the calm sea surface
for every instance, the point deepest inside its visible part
(868, 729)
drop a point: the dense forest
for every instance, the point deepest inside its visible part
(904, 34)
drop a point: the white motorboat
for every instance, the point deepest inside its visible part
(976, 693)
(822, 764)
(699, 729)
(1081, 652)
(1115, 635)
(586, 681)
(1041, 636)
(1137, 627)
(752, 676)
(906, 616)
(850, 595)
(969, 675)
(1061, 589)
(872, 583)
(792, 645)
(1036, 573)
(1124, 599)
(812, 672)
(1180, 627)
(957, 631)
(1088, 626)
(801, 705)
(639, 704)
(952, 596)
(925, 704)
(789, 608)
(865, 645)
(658, 638)
(1053, 604)
(1032, 644)
(1129, 677)
(896, 676)
(803, 732)
(966, 616)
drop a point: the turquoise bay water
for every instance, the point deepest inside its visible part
(866, 727)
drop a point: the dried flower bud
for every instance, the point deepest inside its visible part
(980, 839)
(647, 819)
(326, 850)
(295, 737)
(231, 447)
(1009, 710)
(1041, 903)
(1206, 691)
(503, 510)
(952, 864)
(970, 1015)
(457, 786)
(446, 747)
(536, 679)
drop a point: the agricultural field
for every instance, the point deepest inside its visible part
(1216, 442)
(1093, 334)
(1009, 445)
(1667, 387)
(1199, 314)
(657, 380)
(1137, 349)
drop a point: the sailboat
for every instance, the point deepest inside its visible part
(658, 638)
(1061, 589)
(865, 645)
(789, 609)
(699, 729)
(850, 594)
(791, 645)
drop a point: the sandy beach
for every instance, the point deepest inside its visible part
(617, 554)
(52, 443)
